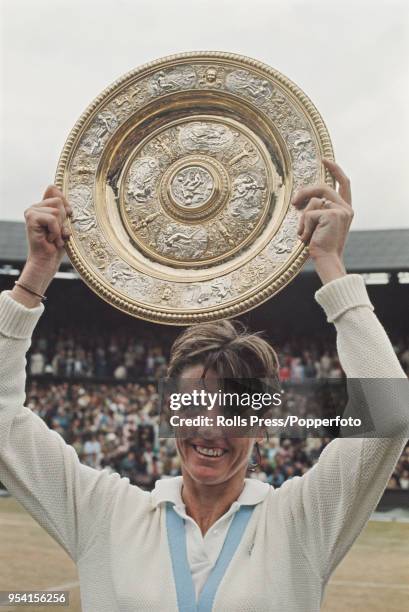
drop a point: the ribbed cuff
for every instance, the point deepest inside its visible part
(341, 294)
(16, 320)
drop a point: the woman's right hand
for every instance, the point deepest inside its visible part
(46, 233)
(46, 237)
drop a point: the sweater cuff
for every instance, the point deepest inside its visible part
(16, 320)
(341, 294)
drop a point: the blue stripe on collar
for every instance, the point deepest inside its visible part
(183, 578)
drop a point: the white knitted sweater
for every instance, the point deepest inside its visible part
(295, 537)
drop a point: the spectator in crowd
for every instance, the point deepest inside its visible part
(37, 362)
(404, 480)
(92, 452)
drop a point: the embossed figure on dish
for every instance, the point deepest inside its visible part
(204, 136)
(142, 179)
(165, 81)
(83, 217)
(104, 124)
(210, 293)
(182, 242)
(242, 81)
(247, 192)
(192, 186)
(119, 273)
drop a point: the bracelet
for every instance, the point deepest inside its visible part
(43, 297)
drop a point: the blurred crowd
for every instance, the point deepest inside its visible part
(81, 354)
(113, 425)
(116, 427)
(72, 354)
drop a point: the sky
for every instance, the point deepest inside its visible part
(350, 57)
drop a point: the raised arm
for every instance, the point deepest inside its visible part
(68, 499)
(330, 505)
(327, 508)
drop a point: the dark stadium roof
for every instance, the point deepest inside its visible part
(13, 245)
(366, 250)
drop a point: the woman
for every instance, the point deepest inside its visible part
(210, 539)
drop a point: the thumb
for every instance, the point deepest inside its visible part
(52, 192)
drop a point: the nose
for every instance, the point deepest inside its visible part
(209, 432)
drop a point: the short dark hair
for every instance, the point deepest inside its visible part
(225, 346)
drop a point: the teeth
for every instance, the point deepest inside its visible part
(210, 452)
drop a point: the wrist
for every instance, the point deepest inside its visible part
(35, 277)
(329, 268)
(38, 276)
(24, 297)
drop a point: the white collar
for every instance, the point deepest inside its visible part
(169, 490)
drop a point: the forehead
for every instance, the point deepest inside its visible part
(194, 371)
(190, 378)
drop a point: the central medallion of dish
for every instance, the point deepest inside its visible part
(195, 192)
(192, 186)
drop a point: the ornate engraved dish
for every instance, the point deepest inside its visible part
(180, 175)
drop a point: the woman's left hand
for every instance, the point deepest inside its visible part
(325, 221)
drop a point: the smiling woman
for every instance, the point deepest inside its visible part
(214, 539)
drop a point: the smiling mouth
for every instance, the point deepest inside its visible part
(205, 451)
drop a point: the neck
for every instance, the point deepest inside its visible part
(207, 503)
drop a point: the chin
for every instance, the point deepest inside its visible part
(205, 477)
(207, 469)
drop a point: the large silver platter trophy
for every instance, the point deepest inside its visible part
(180, 175)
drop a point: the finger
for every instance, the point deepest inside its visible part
(51, 224)
(304, 195)
(57, 211)
(311, 221)
(52, 206)
(56, 206)
(342, 179)
(313, 204)
(54, 192)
